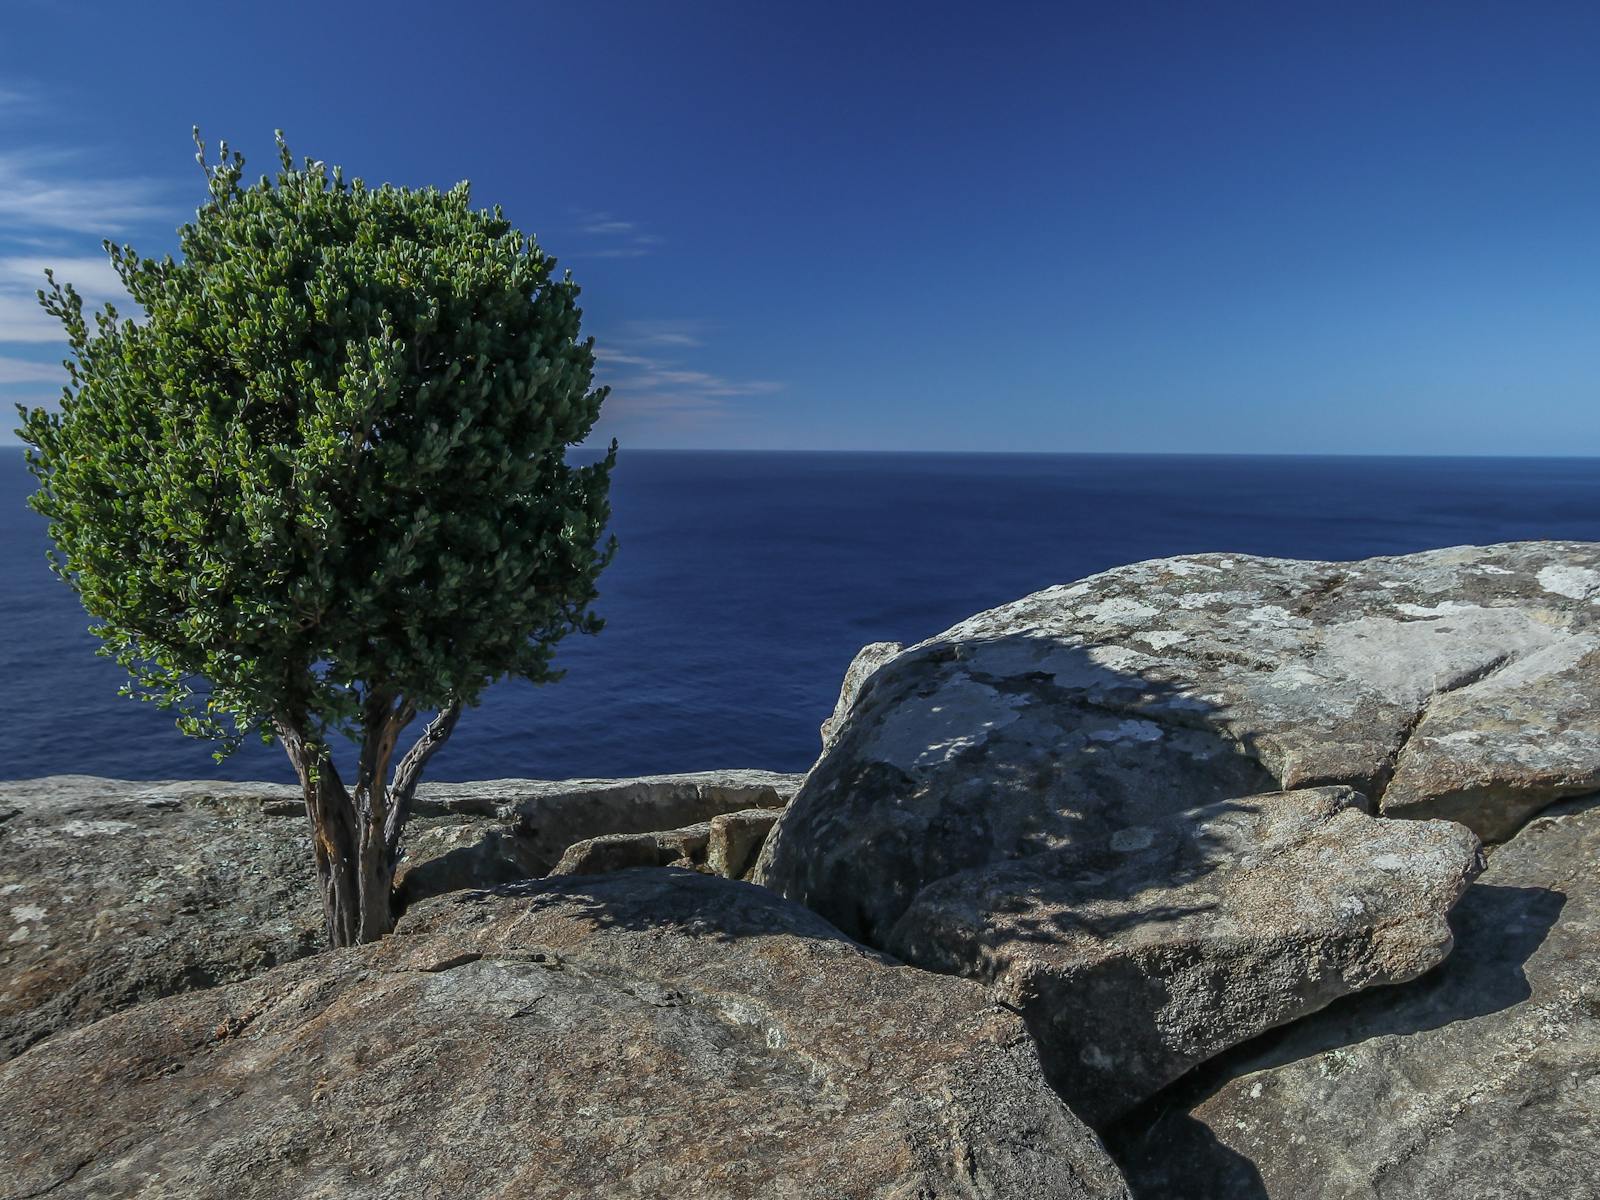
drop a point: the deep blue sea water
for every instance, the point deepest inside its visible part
(745, 582)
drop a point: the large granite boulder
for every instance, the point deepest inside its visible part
(113, 893)
(641, 1034)
(1139, 955)
(1482, 1079)
(862, 668)
(1460, 683)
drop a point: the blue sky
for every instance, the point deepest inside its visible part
(1071, 227)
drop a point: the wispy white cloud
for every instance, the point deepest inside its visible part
(663, 333)
(604, 224)
(652, 387)
(609, 357)
(23, 370)
(702, 383)
(21, 318)
(40, 190)
(91, 275)
(606, 236)
(54, 206)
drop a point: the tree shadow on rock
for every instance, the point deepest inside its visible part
(646, 900)
(963, 757)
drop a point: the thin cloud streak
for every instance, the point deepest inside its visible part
(616, 238)
(654, 393)
(21, 318)
(663, 333)
(22, 370)
(35, 201)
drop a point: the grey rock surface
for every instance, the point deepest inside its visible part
(736, 840)
(862, 667)
(726, 845)
(1462, 683)
(1139, 955)
(552, 815)
(684, 847)
(640, 1034)
(114, 892)
(1481, 1079)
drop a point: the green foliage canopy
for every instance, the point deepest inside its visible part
(328, 461)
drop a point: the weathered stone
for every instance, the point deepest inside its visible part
(620, 851)
(862, 667)
(1098, 710)
(644, 1034)
(1138, 955)
(736, 839)
(114, 893)
(445, 854)
(552, 815)
(120, 892)
(1482, 1079)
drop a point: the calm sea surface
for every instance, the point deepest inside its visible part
(745, 582)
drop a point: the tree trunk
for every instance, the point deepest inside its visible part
(333, 836)
(357, 835)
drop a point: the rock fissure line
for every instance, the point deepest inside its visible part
(58, 1184)
(1461, 683)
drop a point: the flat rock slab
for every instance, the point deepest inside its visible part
(115, 893)
(1139, 956)
(1481, 1079)
(642, 1034)
(552, 815)
(726, 845)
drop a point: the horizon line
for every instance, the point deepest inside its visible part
(880, 450)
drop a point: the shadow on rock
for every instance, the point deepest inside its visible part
(960, 756)
(675, 900)
(1097, 843)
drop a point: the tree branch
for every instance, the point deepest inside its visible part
(409, 771)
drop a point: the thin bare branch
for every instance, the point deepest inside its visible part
(409, 771)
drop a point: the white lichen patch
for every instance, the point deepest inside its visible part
(1576, 583)
(924, 731)
(1129, 840)
(1407, 662)
(82, 828)
(1118, 610)
(1096, 667)
(26, 912)
(1133, 730)
(1444, 609)
(1161, 639)
(1273, 614)
(1196, 600)
(1461, 737)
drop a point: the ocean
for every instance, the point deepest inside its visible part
(746, 581)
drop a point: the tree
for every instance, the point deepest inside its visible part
(320, 486)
